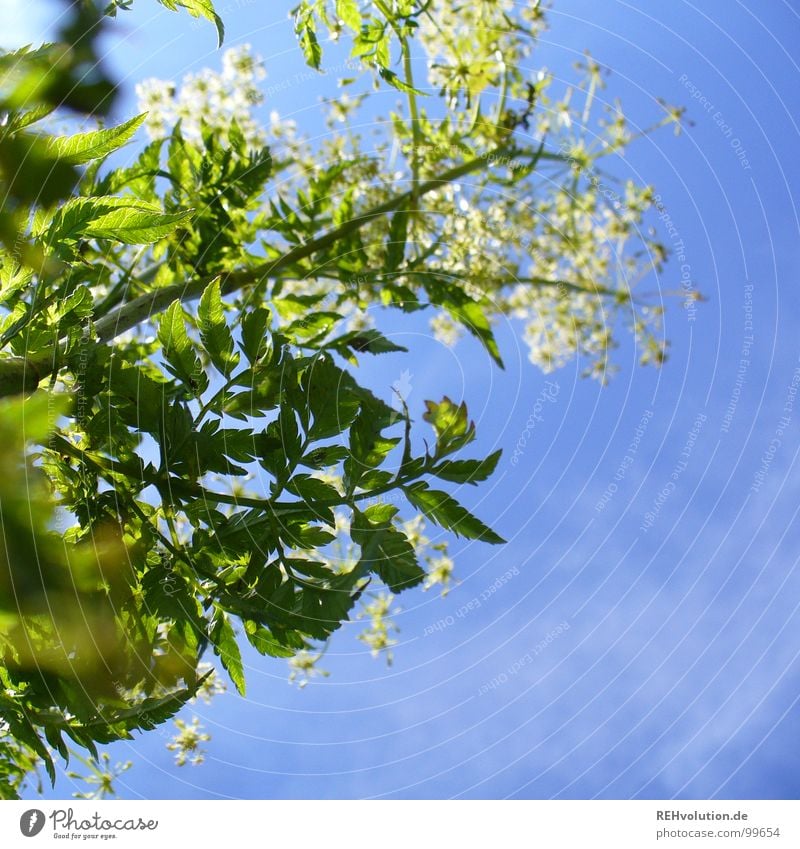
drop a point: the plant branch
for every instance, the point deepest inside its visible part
(139, 309)
(19, 374)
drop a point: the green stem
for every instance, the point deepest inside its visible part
(220, 393)
(279, 508)
(416, 134)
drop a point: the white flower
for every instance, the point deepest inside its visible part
(445, 330)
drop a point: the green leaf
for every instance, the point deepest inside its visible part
(304, 28)
(473, 316)
(385, 550)
(324, 608)
(324, 456)
(368, 446)
(263, 641)
(135, 225)
(397, 82)
(121, 219)
(312, 489)
(22, 729)
(446, 512)
(396, 245)
(308, 537)
(348, 12)
(82, 148)
(150, 713)
(254, 333)
(467, 471)
(467, 312)
(178, 349)
(380, 513)
(214, 331)
(331, 396)
(451, 424)
(312, 326)
(199, 9)
(370, 340)
(136, 397)
(226, 647)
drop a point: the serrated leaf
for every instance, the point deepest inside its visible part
(467, 471)
(84, 147)
(178, 349)
(451, 424)
(331, 397)
(150, 713)
(446, 512)
(309, 537)
(324, 456)
(264, 642)
(386, 551)
(468, 313)
(214, 331)
(132, 222)
(380, 513)
(370, 340)
(134, 225)
(227, 649)
(22, 729)
(323, 609)
(368, 446)
(199, 9)
(316, 324)
(312, 489)
(254, 333)
(306, 34)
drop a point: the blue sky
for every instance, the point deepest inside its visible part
(678, 671)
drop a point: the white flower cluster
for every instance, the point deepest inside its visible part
(304, 667)
(208, 97)
(462, 43)
(187, 744)
(378, 635)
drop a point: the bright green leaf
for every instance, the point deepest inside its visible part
(214, 331)
(227, 649)
(82, 148)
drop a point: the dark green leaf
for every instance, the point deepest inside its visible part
(467, 471)
(446, 512)
(254, 333)
(331, 396)
(385, 551)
